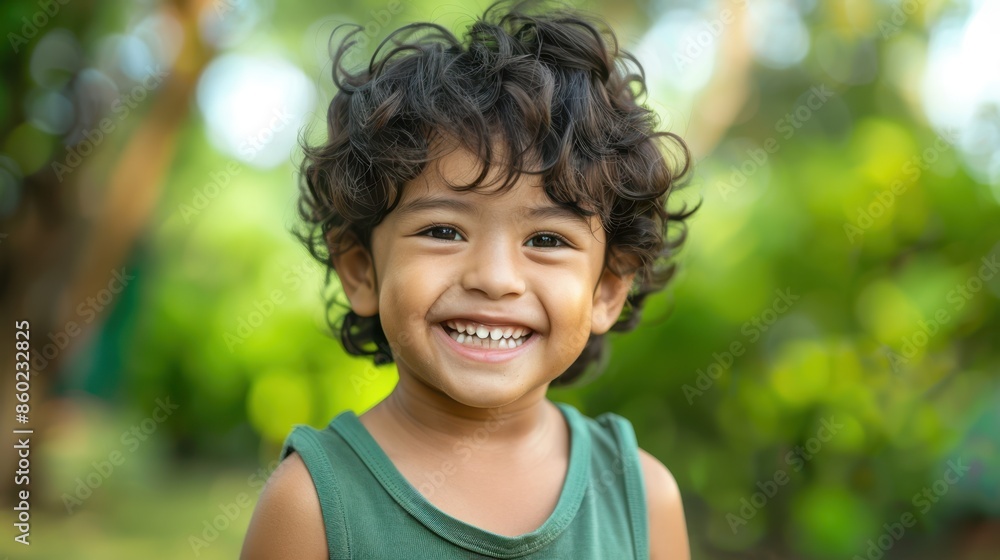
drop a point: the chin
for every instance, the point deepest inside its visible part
(486, 395)
(484, 398)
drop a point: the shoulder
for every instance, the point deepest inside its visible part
(287, 522)
(667, 528)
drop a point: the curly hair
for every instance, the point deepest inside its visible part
(557, 92)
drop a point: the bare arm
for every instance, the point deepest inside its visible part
(668, 539)
(287, 522)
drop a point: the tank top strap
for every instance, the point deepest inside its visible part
(315, 449)
(635, 489)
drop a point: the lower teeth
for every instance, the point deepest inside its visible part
(476, 342)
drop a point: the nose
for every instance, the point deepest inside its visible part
(494, 268)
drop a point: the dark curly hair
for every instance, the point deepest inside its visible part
(557, 92)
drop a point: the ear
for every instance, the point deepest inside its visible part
(356, 271)
(609, 298)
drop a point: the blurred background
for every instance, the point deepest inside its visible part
(821, 377)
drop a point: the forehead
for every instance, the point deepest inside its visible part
(453, 163)
(439, 187)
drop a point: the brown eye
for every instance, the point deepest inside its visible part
(546, 240)
(443, 232)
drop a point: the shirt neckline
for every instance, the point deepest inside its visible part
(457, 531)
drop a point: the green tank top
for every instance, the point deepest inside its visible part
(372, 512)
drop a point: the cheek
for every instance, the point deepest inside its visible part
(568, 302)
(406, 297)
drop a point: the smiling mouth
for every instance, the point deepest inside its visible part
(477, 335)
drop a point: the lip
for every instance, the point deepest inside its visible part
(489, 320)
(493, 356)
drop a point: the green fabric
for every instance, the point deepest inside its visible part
(372, 512)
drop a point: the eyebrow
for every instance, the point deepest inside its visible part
(463, 207)
(435, 203)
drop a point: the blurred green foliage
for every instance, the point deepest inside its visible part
(783, 319)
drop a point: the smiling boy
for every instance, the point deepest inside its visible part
(489, 207)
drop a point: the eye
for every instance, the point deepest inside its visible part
(546, 241)
(447, 233)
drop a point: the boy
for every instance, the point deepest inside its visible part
(489, 207)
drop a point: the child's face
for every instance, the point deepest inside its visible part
(504, 262)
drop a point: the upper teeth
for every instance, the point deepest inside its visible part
(484, 332)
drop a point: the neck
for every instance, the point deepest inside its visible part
(432, 418)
